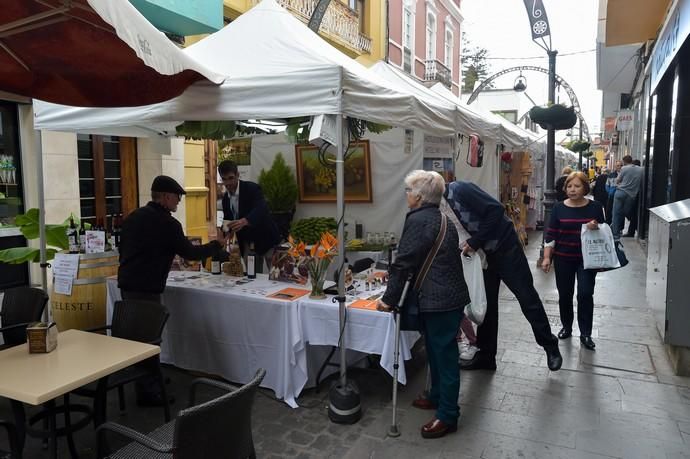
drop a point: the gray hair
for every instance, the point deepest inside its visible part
(427, 185)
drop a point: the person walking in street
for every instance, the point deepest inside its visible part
(599, 192)
(628, 186)
(443, 295)
(632, 226)
(560, 194)
(611, 190)
(563, 248)
(491, 230)
(150, 238)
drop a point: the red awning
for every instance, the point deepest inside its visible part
(69, 52)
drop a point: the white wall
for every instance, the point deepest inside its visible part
(389, 166)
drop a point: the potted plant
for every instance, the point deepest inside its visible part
(280, 190)
(56, 239)
(554, 116)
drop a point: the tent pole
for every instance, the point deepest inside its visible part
(340, 212)
(41, 212)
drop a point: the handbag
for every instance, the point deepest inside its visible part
(599, 250)
(409, 313)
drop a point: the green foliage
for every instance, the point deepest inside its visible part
(556, 116)
(474, 65)
(279, 186)
(309, 230)
(211, 130)
(296, 132)
(56, 236)
(578, 145)
(377, 128)
(587, 154)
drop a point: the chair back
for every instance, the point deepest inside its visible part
(139, 320)
(220, 428)
(21, 305)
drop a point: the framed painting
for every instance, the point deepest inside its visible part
(317, 182)
(238, 150)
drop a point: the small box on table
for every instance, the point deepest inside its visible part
(41, 337)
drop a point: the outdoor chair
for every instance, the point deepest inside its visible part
(20, 307)
(220, 428)
(13, 440)
(141, 321)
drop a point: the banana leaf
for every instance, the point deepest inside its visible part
(56, 235)
(19, 255)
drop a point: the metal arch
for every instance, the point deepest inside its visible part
(559, 81)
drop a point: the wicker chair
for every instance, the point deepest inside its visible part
(13, 440)
(142, 321)
(218, 429)
(20, 306)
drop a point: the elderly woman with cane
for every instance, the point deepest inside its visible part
(428, 239)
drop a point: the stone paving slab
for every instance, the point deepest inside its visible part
(615, 355)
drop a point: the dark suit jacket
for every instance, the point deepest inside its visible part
(262, 231)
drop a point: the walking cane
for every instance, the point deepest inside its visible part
(394, 431)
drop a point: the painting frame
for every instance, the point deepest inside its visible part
(358, 187)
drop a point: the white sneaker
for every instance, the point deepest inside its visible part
(463, 346)
(468, 353)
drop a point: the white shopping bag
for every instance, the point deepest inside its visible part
(598, 248)
(474, 278)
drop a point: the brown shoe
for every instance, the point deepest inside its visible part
(437, 429)
(423, 403)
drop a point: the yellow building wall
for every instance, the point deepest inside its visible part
(196, 200)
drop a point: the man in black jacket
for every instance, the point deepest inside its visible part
(484, 218)
(244, 206)
(150, 239)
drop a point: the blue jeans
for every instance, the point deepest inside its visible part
(566, 272)
(440, 330)
(622, 207)
(509, 264)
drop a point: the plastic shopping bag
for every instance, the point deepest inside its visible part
(598, 248)
(474, 278)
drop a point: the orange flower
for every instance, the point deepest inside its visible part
(328, 241)
(314, 249)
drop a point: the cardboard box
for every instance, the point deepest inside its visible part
(41, 337)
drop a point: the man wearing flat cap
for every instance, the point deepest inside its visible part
(150, 239)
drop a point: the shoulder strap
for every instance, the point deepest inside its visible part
(432, 254)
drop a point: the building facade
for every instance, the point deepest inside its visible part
(424, 40)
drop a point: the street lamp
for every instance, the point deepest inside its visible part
(539, 25)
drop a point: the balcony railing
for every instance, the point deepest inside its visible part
(436, 71)
(340, 23)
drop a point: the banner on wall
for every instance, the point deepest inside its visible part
(624, 120)
(438, 147)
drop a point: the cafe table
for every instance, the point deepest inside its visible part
(79, 359)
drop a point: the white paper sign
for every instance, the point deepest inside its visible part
(62, 285)
(95, 242)
(66, 265)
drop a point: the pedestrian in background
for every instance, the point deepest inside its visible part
(611, 190)
(632, 227)
(560, 182)
(628, 186)
(562, 244)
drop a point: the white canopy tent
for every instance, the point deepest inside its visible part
(275, 68)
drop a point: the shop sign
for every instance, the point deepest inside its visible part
(438, 147)
(624, 120)
(675, 31)
(609, 127)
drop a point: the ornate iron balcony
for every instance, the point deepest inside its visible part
(436, 71)
(340, 23)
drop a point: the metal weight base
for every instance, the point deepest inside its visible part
(344, 403)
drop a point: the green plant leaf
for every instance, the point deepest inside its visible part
(18, 255)
(279, 186)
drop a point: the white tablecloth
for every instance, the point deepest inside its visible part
(231, 330)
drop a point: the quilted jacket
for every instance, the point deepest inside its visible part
(444, 287)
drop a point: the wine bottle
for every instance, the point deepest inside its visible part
(116, 232)
(251, 262)
(72, 237)
(215, 263)
(82, 238)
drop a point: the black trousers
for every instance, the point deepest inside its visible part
(146, 386)
(566, 273)
(510, 266)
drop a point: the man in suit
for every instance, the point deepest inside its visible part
(244, 206)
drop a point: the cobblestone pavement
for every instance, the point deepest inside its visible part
(620, 401)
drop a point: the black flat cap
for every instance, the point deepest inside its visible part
(166, 184)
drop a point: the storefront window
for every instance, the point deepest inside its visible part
(11, 202)
(671, 150)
